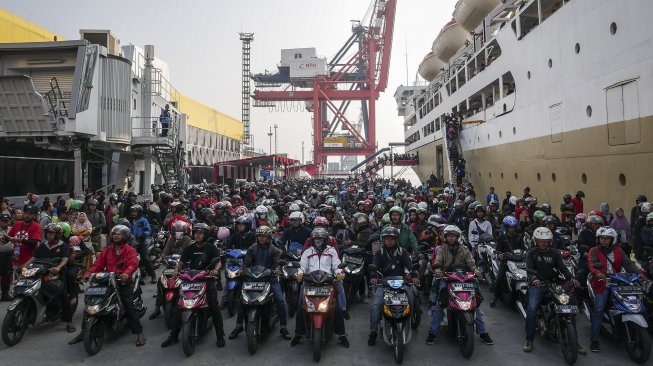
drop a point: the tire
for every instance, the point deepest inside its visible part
(416, 316)
(74, 303)
(167, 314)
(349, 296)
(400, 347)
(231, 303)
(252, 338)
(639, 347)
(317, 345)
(188, 331)
(465, 337)
(568, 343)
(94, 336)
(291, 302)
(14, 325)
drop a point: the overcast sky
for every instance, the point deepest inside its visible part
(199, 40)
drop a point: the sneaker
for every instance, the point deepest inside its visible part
(285, 334)
(371, 341)
(295, 340)
(169, 342)
(344, 341)
(345, 314)
(220, 342)
(528, 346)
(236, 332)
(594, 347)
(581, 351)
(432, 338)
(486, 339)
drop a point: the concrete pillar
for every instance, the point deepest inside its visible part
(79, 188)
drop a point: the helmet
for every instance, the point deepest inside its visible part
(379, 208)
(180, 226)
(76, 205)
(423, 205)
(546, 208)
(328, 208)
(400, 195)
(443, 204)
(513, 200)
(549, 219)
(542, 233)
(113, 196)
(435, 220)
(567, 197)
(362, 220)
(510, 221)
(137, 208)
(360, 203)
(595, 220)
(452, 229)
(397, 209)
(457, 205)
(264, 231)
(296, 216)
(123, 221)
(649, 216)
(121, 229)
(368, 202)
(412, 209)
(223, 233)
(479, 208)
(421, 211)
(494, 203)
(220, 206)
(320, 220)
(65, 229)
(531, 200)
(53, 228)
(385, 220)
(538, 215)
(607, 231)
(390, 231)
(293, 207)
(645, 207)
(597, 213)
(389, 200)
(641, 198)
(92, 202)
(581, 217)
(202, 227)
(319, 233)
(261, 210)
(207, 212)
(580, 194)
(243, 220)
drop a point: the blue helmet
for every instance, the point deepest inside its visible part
(510, 221)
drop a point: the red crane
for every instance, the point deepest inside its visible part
(358, 72)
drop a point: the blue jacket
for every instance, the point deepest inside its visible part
(490, 197)
(141, 228)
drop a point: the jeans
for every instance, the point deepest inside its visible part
(278, 298)
(338, 319)
(377, 306)
(214, 310)
(438, 315)
(600, 301)
(535, 296)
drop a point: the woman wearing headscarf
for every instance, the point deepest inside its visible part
(82, 227)
(621, 225)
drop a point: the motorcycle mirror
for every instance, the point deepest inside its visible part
(372, 268)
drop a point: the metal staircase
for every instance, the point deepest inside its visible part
(454, 147)
(56, 103)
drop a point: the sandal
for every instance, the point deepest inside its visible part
(140, 341)
(71, 329)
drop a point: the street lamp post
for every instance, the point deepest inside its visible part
(274, 158)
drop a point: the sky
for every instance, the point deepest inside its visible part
(199, 41)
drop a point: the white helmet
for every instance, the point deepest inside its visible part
(542, 233)
(452, 229)
(261, 210)
(296, 215)
(513, 200)
(649, 216)
(646, 207)
(423, 205)
(607, 231)
(293, 207)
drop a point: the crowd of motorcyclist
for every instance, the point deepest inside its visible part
(399, 223)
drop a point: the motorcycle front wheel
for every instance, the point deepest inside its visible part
(231, 303)
(568, 343)
(252, 337)
(638, 343)
(400, 347)
(188, 335)
(465, 337)
(94, 336)
(14, 325)
(317, 344)
(167, 313)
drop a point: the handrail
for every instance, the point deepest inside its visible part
(370, 158)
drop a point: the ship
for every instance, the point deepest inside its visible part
(554, 95)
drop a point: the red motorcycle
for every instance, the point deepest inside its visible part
(169, 286)
(460, 309)
(318, 300)
(195, 317)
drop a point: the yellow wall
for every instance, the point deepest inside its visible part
(209, 119)
(15, 29)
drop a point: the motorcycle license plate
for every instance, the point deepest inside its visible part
(317, 291)
(191, 286)
(353, 260)
(567, 309)
(168, 272)
(630, 290)
(396, 300)
(254, 286)
(463, 287)
(95, 291)
(24, 282)
(520, 265)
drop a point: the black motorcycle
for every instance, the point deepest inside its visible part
(259, 307)
(356, 259)
(104, 309)
(291, 269)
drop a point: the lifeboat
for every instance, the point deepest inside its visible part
(430, 67)
(452, 37)
(470, 13)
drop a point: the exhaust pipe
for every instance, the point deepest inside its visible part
(521, 309)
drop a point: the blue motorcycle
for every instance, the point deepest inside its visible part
(624, 316)
(233, 273)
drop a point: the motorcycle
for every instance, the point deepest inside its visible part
(397, 314)
(170, 287)
(290, 272)
(318, 304)
(355, 258)
(485, 249)
(515, 285)
(155, 248)
(233, 273)
(36, 292)
(193, 306)
(104, 309)
(555, 318)
(259, 307)
(460, 307)
(624, 317)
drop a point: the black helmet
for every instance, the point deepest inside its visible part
(137, 208)
(567, 197)
(121, 229)
(123, 222)
(243, 220)
(550, 219)
(546, 208)
(207, 212)
(390, 231)
(580, 194)
(202, 227)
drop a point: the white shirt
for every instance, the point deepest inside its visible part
(328, 261)
(479, 228)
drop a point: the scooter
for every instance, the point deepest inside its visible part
(318, 304)
(35, 293)
(155, 248)
(259, 307)
(193, 306)
(460, 307)
(233, 273)
(515, 286)
(170, 286)
(355, 258)
(290, 272)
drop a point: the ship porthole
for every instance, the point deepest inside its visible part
(528, 75)
(577, 48)
(613, 28)
(514, 131)
(539, 177)
(583, 178)
(500, 134)
(490, 175)
(588, 110)
(553, 177)
(501, 175)
(488, 136)
(550, 63)
(516, 176)
(622, 180)
(479, 174)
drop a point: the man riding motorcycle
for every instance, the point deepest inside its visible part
(140, 228)
(507, 242)
(321, 256)
(297, 232)
(406, 239)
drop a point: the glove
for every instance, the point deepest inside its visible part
(340, 277)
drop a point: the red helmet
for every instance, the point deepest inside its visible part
(368, 202)
(597, 213)
(321, 220)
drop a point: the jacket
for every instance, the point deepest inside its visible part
(240, 240)
(393, 263)
(618, 260)
(98, 220)
(296, 235)
(271, 259)
(141, 228)
(328, 261)
(477, 228)
(108, 261)
(448, 257)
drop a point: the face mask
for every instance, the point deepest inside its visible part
(179, 235)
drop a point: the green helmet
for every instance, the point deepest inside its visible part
(379, 207)
(385, 220)
(400, 195)
(65, 229)
(397, 209)
(264, 231)
(538, 215)
(76, 205)
(475, 203)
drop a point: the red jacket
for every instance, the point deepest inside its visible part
(594, 255)
(108, 261)
(578, 204)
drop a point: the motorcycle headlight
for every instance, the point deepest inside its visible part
(324, 305)
(189, 303)
(92, 309)
(563, 298)
(357, 270)
(406, 310)
(465, 305)
(231, 274)
(309, 305)
(29, 272)
(520, 276)
(386, 311)
(164, 281)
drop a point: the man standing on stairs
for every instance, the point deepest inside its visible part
(165, 119)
